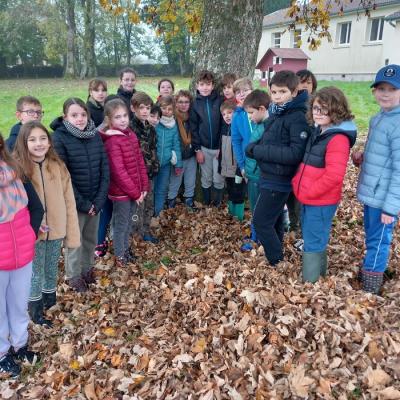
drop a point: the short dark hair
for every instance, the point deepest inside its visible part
(334, 100)
(206, 76)
(139, 98)
(27, 100)
(75, 100)
(305, 74)
(228, 79)
(285, 78)
(155, 109)
(184, 93)
(256, 99)
(228, 105)
(127, 70)
(166, 80)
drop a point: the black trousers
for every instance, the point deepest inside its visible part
(268, 223)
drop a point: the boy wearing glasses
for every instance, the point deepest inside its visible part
(28, 109)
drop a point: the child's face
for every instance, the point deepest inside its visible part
(128, 81)
(205, 87)
(99, 94)
(257, 115)
(166, 89)
(120, 118)
(142, 111)
(281, 94)
(227, 116)
(38, 144)
(29, 112)
(183, 104)
(307, 85)
(77, 116)
(241, 94)
(387, 96)
(154, 119)
(167, 111)
(228, 91)
(320, 115)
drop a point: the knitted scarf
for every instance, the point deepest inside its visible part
(168, 122)
(277, 109)
(181, 118)
(89, 132)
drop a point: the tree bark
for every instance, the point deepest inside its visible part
(70, 68)
(88, 39)
(229, 37)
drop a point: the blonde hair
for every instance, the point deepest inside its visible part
(241, 83)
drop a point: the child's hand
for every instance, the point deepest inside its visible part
(140, 199)
(144, 195)
(44, 228)
(178, 171)
(243, 172)
(357, 157)
(386, 219)
(92, 211)
(200, 157)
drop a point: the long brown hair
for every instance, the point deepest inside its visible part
(6, 157)
(109, 109)
(21, 152)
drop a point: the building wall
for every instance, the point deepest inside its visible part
(359, 60)
(291, 64)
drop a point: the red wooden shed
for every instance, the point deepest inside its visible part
(278, 59)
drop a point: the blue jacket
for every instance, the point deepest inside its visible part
(241, 131)
(251, 169)
(168, 140)
(10, 142)
(379, 181)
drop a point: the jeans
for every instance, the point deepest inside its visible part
(316, 223)
(188, 176)
(122, 225)
(209, 170)
(253, 191)
(268, 223)
(378, 238)
(105, 218)
(161, 182)
(294, 208)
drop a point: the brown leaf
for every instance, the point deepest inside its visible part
(377, 377)
(299, 383)
(199, 346)
(89, 389)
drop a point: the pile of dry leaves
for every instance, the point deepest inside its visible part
(197, 319)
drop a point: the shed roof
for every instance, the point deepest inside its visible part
(284, 53)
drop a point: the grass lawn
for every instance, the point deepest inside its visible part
(53, 92)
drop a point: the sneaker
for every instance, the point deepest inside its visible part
(101, 250)
(89, 277)
(246, 247)
(150, 238)
(299, 244)
(25, 355)
(9, 366)
(78, 284)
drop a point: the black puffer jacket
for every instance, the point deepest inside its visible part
(206, 121)
(87, 163)
(126, 98)
(281, 148)
(96, 111)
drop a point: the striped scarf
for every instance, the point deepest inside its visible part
(13, 197)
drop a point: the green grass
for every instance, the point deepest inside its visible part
(53, 92)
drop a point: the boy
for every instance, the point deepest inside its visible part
(379, 181)
(28, 109)
(205, 124)
(278, 154)
(155, 115)
(227, 82)
(141, 105)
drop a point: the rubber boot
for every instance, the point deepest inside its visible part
(324, 264)
(217, 194)
(371, 281)
(312, 263)
(206, 196)
(49, 300)
(231, 208)
(171, 203)
(35, 309)
(238, 211)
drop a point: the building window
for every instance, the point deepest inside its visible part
(343, 33)
(376, 29)
(277, 60)
(296, 37)
(276, 39)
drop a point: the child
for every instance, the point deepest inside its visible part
(379, 181)
(52, 183)
(205, 125)
(20, 216)
(183, 102)
(79, 145)
(28, 109)
(168, 152)
(165, 88)
(256, 105)
(308, 81)
(227, 82)
(155, 115)
(128, 176)
(127, 82)
(141, 105)
(228, 166)
(278, 154)
(319, 179)
(96, 99)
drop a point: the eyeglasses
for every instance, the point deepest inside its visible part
(319, 110)
(33, 113)
(244, 91)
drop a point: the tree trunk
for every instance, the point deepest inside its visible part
(229, 37)
(88, 39)
(70, 68)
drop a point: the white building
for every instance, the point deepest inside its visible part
(360, 44)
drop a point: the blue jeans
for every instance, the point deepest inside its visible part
(378, 238)
(188, 176)
(105, 218)
(316, 223)
(161, 182)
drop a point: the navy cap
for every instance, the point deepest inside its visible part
(389, 74)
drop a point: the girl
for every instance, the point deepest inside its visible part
(127, 83)
(183, 101)
(18, 207)
(129, 182)
(319, 180)
(52, 182)
(96, 98)
(79, 145)
(168, 152)
(165, 88)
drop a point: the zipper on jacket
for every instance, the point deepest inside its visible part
(209, 123)
(44, 197)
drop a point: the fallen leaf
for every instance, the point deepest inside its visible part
(299, 383)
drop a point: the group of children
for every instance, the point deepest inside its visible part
(122, 159)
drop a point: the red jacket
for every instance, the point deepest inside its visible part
(128, 173)
(319, 179)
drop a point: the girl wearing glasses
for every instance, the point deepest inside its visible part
(319, 179)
